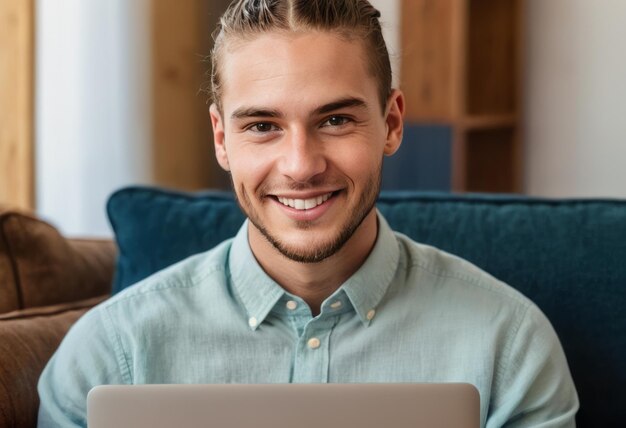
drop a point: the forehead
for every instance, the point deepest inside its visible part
(294, 70)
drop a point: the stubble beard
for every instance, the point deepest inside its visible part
(366, 203)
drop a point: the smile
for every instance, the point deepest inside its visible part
(304, 204)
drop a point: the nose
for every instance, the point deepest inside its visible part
(302, 156)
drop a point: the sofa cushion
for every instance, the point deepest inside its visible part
(28, 338)
(40, 267)
(155, 228)
(566, 255)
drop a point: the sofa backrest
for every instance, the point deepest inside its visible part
(565, 255)
(39, 267)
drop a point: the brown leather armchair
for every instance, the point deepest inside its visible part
(46, 283)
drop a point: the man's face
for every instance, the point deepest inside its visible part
(303, 135)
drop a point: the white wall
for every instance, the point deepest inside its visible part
(575, 116)
(390, 22)
(92, 108)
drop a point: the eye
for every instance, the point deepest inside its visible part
(336, 121)
(263, 127)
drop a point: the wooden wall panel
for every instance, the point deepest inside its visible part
(16, 103)
(183, 155)
(428, 59)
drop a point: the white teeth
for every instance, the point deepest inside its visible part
(304, 204)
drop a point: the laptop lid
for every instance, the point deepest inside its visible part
(284, 405)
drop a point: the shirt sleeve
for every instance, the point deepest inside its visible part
(533, 387)
(86, 357)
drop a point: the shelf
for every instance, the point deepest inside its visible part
(489, 121)
(492, 56)
(490, 160)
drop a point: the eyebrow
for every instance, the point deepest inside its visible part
(243, 112)
(246, 112)
(342, 103)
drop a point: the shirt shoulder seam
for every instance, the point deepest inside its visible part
(190, 280)
(508, 347)
(472, 280)
(122, 359)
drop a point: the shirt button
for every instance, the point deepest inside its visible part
(371, 314)
(313, 343)
(336, 305)
(252, 322)
(291, 305)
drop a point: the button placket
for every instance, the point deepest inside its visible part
(312, 352)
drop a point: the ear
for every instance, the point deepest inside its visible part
(219, 139)
(394, 122)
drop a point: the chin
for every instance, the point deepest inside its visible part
(307, 246)
(309, 254)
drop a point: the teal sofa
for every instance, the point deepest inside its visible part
(568, 256)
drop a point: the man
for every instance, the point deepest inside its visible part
(315, 287)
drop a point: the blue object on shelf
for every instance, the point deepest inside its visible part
(423, 162)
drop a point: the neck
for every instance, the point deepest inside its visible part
(314, 282)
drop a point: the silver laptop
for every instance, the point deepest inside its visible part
(368, 405)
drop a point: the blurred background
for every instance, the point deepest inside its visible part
(514, 96)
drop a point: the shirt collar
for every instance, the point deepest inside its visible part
(257, 291)
(370, 282)
(365, 288)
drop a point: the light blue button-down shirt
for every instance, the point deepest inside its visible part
(411, 313)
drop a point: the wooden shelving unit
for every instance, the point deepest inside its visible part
(461, 62)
